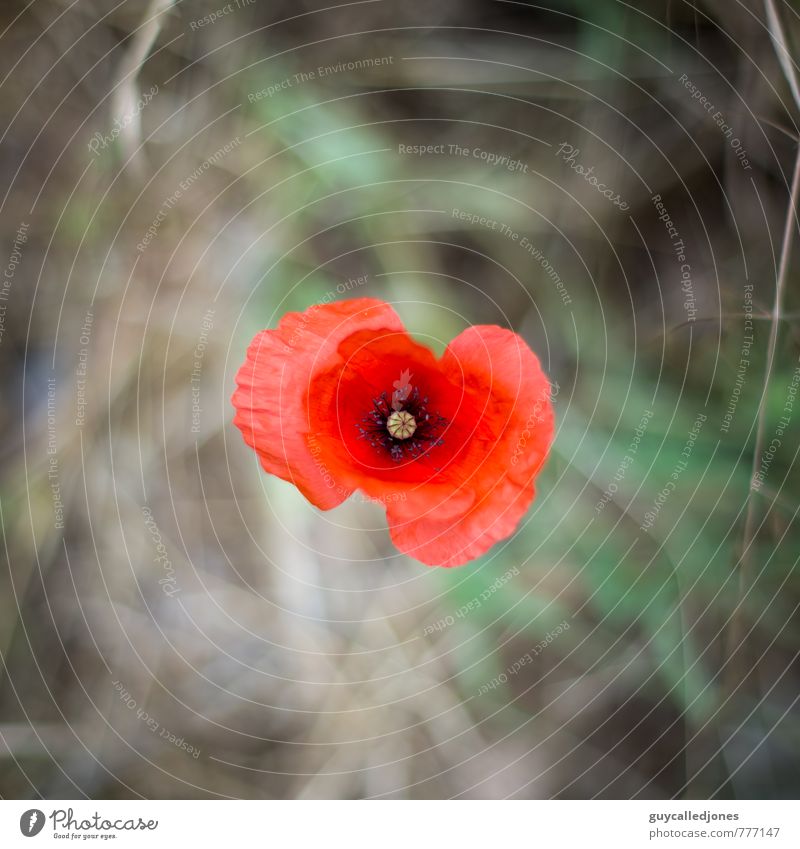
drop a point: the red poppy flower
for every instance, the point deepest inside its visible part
(340, 398)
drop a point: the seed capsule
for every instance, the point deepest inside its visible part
(401, 425)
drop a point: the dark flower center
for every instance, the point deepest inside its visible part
(406, 433)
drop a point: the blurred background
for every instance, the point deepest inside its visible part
(613, 182)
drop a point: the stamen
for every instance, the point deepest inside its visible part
(409, 433)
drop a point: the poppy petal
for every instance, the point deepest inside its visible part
(273, 385)
(448, 542)
(508, 446)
